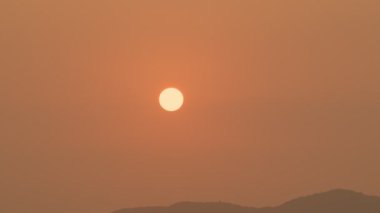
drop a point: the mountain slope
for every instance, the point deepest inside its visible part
(334, 201)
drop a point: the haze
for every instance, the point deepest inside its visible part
(282, 100)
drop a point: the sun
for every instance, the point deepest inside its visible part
(171, 99)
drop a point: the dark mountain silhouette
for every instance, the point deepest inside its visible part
(335, 201)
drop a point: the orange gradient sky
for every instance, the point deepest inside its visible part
(282, 100)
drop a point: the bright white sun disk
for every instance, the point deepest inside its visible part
(171, 99)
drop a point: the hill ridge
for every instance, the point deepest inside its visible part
(332, 201)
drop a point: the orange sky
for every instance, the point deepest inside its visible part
(282, 99)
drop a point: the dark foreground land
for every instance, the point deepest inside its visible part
(335, 201)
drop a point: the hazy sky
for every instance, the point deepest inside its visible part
(282, 99)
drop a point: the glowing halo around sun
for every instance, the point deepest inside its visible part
(171, 99)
